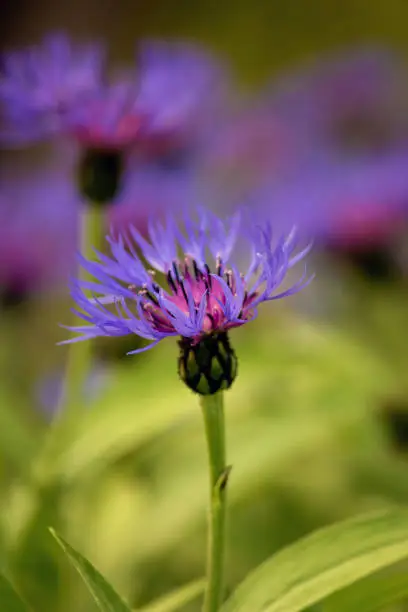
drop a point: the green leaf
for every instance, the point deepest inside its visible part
(371, 594)
(178, 598)
(104, 595)
(324, 562)
(10, 601)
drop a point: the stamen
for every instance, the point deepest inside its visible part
(184, 291)
(197, 272)
(208, 277)
(176, 272)
(152, 298)
(171, 282)
(146, 293)
(218, 263)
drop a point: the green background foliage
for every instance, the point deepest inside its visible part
(307, 434)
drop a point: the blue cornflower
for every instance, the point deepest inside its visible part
(175, 95)
(40, 85)
(57, 88)
(206, 294)
(109, 120)
(355, 203)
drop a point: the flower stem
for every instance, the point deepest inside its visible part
(77, 368)
(80, 353)
(213, 413)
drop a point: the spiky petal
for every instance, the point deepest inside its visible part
(206, 294)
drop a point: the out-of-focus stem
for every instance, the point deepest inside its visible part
(79, 358)
(78, 365)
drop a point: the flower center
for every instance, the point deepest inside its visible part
(188, 286)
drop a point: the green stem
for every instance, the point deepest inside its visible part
(213, 413)
(80, 353)
(78, 364)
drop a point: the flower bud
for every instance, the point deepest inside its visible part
(207, 366)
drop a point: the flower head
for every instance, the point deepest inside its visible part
(206, 294)
(170, 101)
(354, 203)
(41, 84)
(57, 88)
(107, 121)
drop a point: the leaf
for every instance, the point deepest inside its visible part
(104, 595)
(178, 598)
(10, 601)
(371, 594)
(324, 562)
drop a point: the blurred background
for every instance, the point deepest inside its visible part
(313, 129)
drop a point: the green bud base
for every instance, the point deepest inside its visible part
(208, 366)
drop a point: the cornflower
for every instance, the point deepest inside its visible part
(206, 297)
(206, 294)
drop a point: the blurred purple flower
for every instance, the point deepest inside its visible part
(352, 103)
(38, 231)
(206, 293)
(352, 106)
(352, 203)
(169, 104)
(327, 146)
(108, 120)
(41, 84)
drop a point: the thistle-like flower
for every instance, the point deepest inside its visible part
(106, 126)
(206, 294)
(59, 88)
(163, 110)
